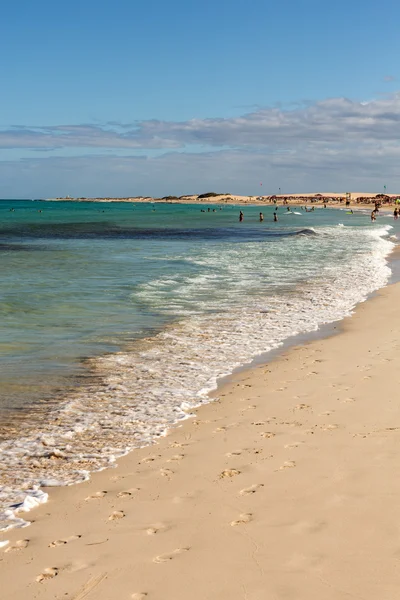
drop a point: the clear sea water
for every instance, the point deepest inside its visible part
(117, 319)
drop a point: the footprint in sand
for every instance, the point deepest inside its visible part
(302, 407)
(330, 427)
(242, 520)
(48, 573)
(71, 538)
(219, 429)
(229, 473)
(293, 445)
(176, 457)
(233, 453)
(96, 496)
(288, 464)
(149, 459)
(267, 434)
(177, 445)
(117, 514)
(19, 545)
(326, 413)
(127, 493)
(257, 423)
(166, 472)
(309, 431)
(157, 528)
(166, 557)
(251, 489)
(291, 423)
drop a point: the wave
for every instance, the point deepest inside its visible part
(107, 231)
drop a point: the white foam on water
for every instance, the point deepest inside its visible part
(143, 392)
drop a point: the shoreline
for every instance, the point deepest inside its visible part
(155, 470)
(322, 330)
(332, 199)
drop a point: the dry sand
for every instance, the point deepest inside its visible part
(286, 488)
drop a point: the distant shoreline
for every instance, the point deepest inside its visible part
(331, 199)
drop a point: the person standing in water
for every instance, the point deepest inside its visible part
(261, 217)
(275, 217)
(241, 216)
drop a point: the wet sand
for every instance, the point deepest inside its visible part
(285, 487)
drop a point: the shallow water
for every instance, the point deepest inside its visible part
(117, 319)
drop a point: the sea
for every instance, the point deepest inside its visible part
(118, 319)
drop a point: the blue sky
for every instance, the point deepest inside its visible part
(128, 98)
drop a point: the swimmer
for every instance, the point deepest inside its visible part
(261, 217)
(241, 216)
(275, 217)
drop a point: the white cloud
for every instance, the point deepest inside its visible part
(336, 143)
(334, 120)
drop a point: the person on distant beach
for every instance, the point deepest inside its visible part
(261, 217)
(275, 217)
(241, 216)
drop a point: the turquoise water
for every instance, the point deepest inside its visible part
(117, 319)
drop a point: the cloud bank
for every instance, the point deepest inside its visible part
(335, 143)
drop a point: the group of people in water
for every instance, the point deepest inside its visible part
(261, 216)
(374, 213)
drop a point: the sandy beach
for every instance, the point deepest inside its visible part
(356, 199)
(285, 487)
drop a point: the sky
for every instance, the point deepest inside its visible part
(128, 98)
